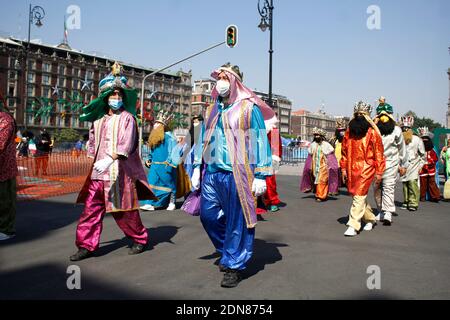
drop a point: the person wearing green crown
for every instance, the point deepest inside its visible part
(396, 161)
(117, 179)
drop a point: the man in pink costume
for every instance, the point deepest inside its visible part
(117, 180)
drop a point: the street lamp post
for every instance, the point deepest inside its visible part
(35, 15)
(266, 13)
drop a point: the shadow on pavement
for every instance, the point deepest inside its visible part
(35, 219)
(343, 220)
(264, 253)
(156, 236)
(49, 281)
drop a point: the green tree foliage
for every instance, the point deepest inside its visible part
(67, 135)
(423, 122)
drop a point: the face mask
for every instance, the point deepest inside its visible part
(115, 104)
(223, 87)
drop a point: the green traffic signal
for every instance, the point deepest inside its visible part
(231, 36)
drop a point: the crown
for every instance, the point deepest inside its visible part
(164, 117)
(341, 123)
(407, 121)
(424, 132)
(233, 69)
(319, 132)
(362, 107)
(114, 80)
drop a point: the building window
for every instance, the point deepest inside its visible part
(90, 74)
(46, 79)
(31, 64)
(76, 72)
(75, 84)
(61, 70)
(46, 92)
(12, 74)
(30, 77)
(30, 90)
(11, 92)
(61, 82)
(46, 67)
(11, 103)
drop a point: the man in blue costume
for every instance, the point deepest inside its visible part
(163, 160)
(235, 149)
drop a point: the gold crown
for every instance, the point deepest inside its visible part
(319, 132)
(164, 117)
(341, 123)
(362, 107)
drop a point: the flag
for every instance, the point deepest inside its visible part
(65, 30)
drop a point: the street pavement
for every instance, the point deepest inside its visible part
(300, 253)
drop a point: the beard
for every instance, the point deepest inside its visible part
(338, 135)
(386, 128)
(358, 127)
(318, 140)
(428, 144)
(156, 137)
(407, 136)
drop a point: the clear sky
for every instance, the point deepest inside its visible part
(323, 50)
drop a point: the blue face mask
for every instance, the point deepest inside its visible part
(115, 104)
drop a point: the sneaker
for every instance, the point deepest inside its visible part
(82, 253)
(136, 248)
(231, 278)
(274, 208)
(404, 206)
(148, 207)
(171, 207)
(369, 226)
(4, 236)
(387, 219)
(412, 208)
(351, 232)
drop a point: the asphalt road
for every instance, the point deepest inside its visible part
(300, 253)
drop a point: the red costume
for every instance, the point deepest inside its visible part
(270, 198)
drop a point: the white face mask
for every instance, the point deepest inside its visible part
(223, 88)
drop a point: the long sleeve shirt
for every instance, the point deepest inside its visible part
(8, 165)
(395, 152)
(217, 153)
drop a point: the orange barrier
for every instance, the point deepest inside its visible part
(52, 175)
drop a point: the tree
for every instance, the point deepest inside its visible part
(67, 135)
(423, 122)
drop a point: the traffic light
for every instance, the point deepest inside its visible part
(231, 36)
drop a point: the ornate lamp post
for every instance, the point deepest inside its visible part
(36, 14)
(266, 13)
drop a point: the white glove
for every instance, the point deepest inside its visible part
(259, 187)
(276, 163)
(102, 165)
(195, 179)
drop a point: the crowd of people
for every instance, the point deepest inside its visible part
(226, 168)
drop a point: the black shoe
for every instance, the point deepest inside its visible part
(387, 223)
(412, 208)
(136, 248)
(231, 278)
(81, 254)
(222, 268)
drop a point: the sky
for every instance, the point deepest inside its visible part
(324, 53)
